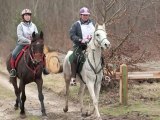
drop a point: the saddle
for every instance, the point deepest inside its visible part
(20, 55)
(80, 61)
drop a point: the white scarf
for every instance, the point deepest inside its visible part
(87, 30)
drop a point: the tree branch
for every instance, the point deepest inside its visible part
(116, 13)
(130, 31)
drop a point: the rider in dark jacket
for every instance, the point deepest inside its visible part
(81, 33)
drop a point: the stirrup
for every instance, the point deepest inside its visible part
(13, 73)
(73, 82)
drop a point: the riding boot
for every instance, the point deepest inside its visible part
(45, 71)
(73, 69)
(13, 70)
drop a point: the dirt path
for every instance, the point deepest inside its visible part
(53, 103)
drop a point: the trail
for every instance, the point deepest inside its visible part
(54, 104)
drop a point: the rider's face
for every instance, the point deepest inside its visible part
(85, 17)
(27, 17)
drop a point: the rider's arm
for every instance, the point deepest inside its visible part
(21, 39)
(75, 33)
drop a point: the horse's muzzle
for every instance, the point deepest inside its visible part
(107, 45)
(38, 57)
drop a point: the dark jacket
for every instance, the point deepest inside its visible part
(76, 33)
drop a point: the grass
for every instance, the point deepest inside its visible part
(116, 110)
(143, 99)
(54, 82)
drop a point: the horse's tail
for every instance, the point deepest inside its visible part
(8, 65)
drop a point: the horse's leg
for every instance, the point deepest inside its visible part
(81, 94)
(67, 82)
(23, 99)
(90, 86)
(97, 89)
(17, 92)
(39, 83)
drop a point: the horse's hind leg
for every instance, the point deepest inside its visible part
(17, 92)
(39, 83)
(67, 82)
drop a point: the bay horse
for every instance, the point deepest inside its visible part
(29, 69)
(91, 72)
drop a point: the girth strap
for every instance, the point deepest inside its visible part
(96, 72)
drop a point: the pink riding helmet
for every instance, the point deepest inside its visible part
(84, 11)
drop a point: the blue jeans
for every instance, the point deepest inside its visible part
(17, 50)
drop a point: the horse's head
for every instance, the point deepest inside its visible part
(100, 36)
(36, 47)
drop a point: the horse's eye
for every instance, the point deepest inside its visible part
(97, 35)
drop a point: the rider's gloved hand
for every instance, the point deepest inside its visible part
(89, 37)
(85, 40)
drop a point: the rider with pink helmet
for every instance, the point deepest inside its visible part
(84, 11)
(24, 34)
(81, 33)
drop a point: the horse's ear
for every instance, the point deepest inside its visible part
(96, 26)
(33, 34)
(104, 26)
(41, 34)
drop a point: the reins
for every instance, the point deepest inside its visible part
(95, 70)
(96, 67)
(34, 70)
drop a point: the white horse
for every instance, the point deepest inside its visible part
(91, 71)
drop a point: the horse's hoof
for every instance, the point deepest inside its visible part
(99, 118)
(44, 118)
(44, 114)
(86, 114)
(22, 116)
(65, 109)
(15, 108)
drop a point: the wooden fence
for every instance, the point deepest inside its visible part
(124, 76)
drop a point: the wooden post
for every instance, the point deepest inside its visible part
(123, 84)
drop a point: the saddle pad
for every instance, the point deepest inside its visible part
(20, 55)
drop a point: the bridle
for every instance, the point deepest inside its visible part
(33, 55)
(99, 42)
(96, 70)
(36, 65)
